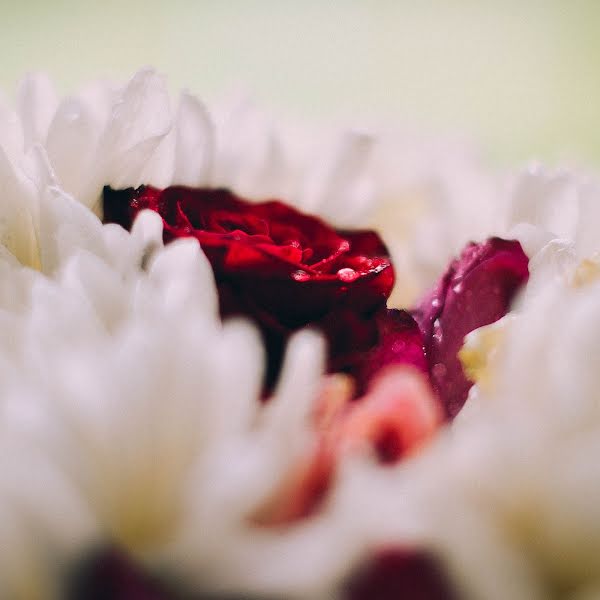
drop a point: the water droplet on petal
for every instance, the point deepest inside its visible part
(435, 303)
(437, 331)
(439, 370)
(347, 274)
(457, 289)
(300, 275)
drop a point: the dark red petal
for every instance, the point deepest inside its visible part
(399, 342)
(112, 576)
(116, 206)
(398, 574)
(367, 243)
(476, 290)
(281, 268)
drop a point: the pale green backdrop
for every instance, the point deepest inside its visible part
(522, 77)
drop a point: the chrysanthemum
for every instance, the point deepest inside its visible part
(144, 451)
(152, 450)
(417, 193)
(522, 454)
(121, 378)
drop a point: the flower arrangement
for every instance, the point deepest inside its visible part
(239, 363)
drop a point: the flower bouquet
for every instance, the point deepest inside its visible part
(244, 363)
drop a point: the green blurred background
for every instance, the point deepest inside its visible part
(522, 78)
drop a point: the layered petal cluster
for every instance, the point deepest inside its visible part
(428, 198)
(519, 467)
(138, 454)
(283, 269)
(287, 270)
(118, 396)
(124, 430)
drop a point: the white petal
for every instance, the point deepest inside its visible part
(18, 214)
(340, 188)
(298, 384)
(140, 119)
(71, 145)
(194, 152)
(11, 131)
(97, 285)
(250, 156)
(65, 227)
(36, 102)
(185, 276)
(241, 364)
(586, 236)
(547, 200)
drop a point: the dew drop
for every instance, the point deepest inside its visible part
(436, 303)
(439, 370)
(347, 274)
(300, 275)
(437, 332)
(457, 289)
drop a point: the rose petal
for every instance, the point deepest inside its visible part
(476, 290)
(283, 269)
(395, 418)
(392, 421)
(398, 341)
(398, 573)
(111, 576)
(302, 491)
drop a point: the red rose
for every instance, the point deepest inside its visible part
(286, 270)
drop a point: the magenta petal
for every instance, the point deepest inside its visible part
(397, 574)
(476, 290)
(400, 342)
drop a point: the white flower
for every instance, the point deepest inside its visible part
(139, 412)
(419, 195)
(145, 414)
(510, 496)
(435, 196)
(555, 215)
